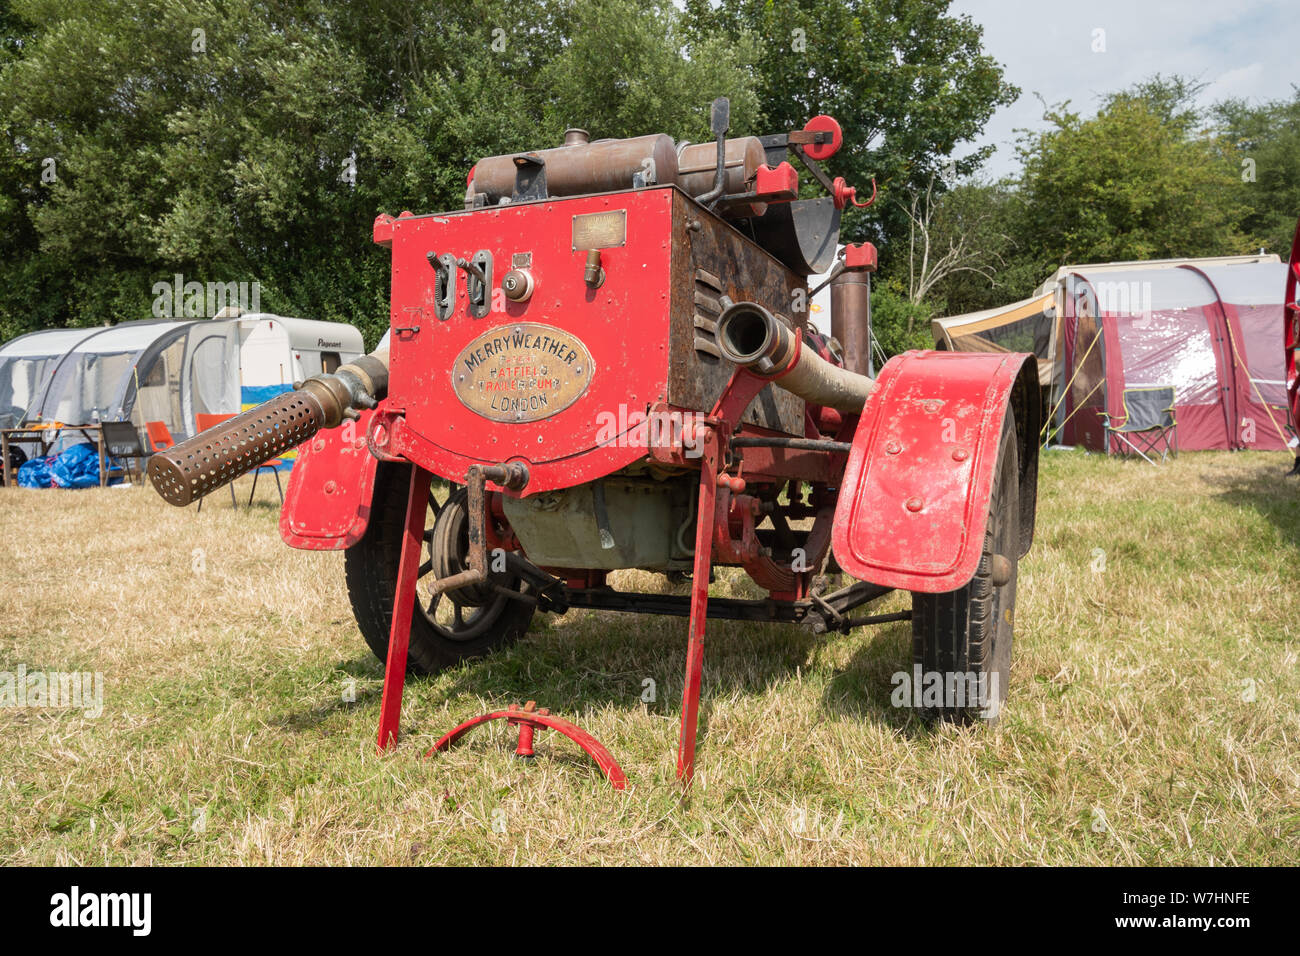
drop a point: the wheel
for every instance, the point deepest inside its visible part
(965, 635)
(459, 625)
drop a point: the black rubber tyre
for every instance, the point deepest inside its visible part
(969, 631)
(445, 630)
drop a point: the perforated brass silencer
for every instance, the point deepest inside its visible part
(216, 457)
(213, 458)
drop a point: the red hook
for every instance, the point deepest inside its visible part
(844, 194)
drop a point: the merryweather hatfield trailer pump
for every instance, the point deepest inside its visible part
(607, 355)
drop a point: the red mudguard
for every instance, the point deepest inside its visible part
(914, 504)
(327, 504)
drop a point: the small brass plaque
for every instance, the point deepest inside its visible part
(521, 373)
(600, 230)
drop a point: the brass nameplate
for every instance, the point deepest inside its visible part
(522, 372)
(600, 230)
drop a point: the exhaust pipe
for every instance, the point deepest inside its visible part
(212, 459)
(755, 339)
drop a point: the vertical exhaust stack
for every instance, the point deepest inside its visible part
(851, 319)
(851, 307)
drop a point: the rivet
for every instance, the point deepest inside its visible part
(914, 504)
(960, 454)
(892, 448)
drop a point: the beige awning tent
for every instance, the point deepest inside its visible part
(1025, 326)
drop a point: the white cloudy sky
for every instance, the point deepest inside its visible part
(1240, 48)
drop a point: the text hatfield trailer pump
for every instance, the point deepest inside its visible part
(607, 355)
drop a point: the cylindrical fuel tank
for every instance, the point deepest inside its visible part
(607, 165)
(603, 166)
(697, 163)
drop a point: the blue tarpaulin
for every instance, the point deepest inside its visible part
(78, 467)
(35, 473)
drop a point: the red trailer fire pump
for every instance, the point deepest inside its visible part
(607, 354)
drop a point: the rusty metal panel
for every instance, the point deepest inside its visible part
(709, 260)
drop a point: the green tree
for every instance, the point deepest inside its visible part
(633, 68)
(908, 81)
(1003, 267)
(1149, 176)
(239, 140)
(1266, 138)
(958, 234)
(1136, 181)
(898, 323)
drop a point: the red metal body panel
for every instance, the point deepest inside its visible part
(327, 505)
(561, 450)
(914, 503)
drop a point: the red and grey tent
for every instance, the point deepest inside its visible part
(1291, 321)
(1209, 330)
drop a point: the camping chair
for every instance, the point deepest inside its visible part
(122, 440)
(273, 466)
(208, 421)
(160, 439)
(1148, 421)
(204, 422)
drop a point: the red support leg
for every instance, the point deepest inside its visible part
(399, 634)
(699, 606)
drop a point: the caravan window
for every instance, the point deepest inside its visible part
(329, 362)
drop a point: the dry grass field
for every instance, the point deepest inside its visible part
(1153, 717)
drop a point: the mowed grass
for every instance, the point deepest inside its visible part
(1154, 711)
